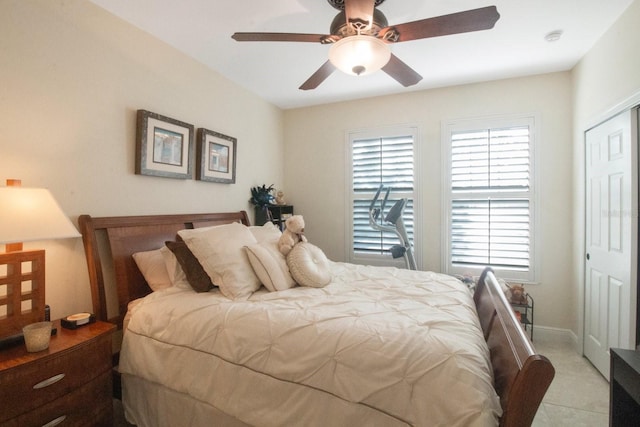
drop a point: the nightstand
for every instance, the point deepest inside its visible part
(70, 381)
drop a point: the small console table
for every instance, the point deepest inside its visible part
(624, 398)
(277, 214)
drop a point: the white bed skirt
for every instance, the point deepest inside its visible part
(148, 404)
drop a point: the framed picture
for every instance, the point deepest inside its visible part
(164, 146)
(216, 157)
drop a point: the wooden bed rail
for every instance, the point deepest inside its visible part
(521, 376)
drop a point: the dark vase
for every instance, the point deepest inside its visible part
(262, 215)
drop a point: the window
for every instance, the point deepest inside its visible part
(380, 158)
(490, 197)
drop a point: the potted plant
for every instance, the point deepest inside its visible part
(261, 198)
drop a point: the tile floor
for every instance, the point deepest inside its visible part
(578, 395)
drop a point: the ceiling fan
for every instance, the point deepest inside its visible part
(360, 39)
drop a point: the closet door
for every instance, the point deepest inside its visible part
(611, 238)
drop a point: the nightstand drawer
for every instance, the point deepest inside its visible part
(89, 405)
(33, 384)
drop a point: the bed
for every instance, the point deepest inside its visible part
(376, 346)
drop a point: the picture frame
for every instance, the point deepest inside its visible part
(164, 146)
(216, 157)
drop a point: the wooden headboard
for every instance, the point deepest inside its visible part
(521, 376)
(123, 236)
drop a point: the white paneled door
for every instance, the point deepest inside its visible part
(611, 238)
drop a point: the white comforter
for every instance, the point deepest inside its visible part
(378, 346)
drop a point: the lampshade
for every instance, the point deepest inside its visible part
(359, 55)
(28, 214)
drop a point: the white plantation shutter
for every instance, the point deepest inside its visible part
(490, 232)
(490, 160)
(385, 160)
(490, 203)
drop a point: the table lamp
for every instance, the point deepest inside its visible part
(26, 214)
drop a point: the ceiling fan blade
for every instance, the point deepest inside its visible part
(279, 37)
(359, 13)
(401, 72)
(455, 23)
(319, 76)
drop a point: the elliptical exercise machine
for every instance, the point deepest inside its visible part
(393, 223)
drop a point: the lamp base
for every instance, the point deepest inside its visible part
(22, 299)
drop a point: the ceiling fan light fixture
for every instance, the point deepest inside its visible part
(359, 55)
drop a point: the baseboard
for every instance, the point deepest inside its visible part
(550, 335)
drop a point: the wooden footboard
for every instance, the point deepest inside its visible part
(521, 376)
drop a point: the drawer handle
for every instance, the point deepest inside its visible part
(46, 383)
(55, 422)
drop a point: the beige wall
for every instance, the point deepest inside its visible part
(72, 77)
(316, 164)
(604, 82)
(609, 73)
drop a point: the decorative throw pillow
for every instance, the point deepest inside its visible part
(220, 250)
(196, 276)
(309, 266)
(176, 273)
(151, 265)
(270, 265)
(266, 232)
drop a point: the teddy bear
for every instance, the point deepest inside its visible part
(292, 234)
(280, 198)
(517, 295)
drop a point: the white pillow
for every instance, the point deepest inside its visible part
(151, 265)
(308, 265)
(220, 250)
(174, 269)
(266, 232)
(270, 265)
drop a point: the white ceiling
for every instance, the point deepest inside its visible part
(515, 47)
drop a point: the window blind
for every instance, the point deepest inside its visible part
(490, 212)
(377, 161)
